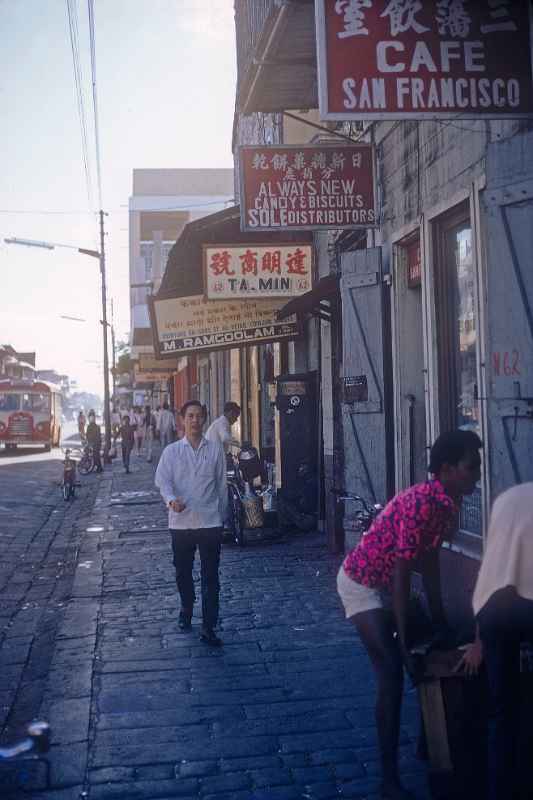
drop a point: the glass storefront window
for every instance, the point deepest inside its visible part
(458, 340)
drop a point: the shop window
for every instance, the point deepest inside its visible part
(457, 338)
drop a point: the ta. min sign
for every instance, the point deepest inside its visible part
(398, 59)
(257, 270)
(307, 187)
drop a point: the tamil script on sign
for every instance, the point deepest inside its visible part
(307, 187)
(380, 59)
(190, 324)
(259, 271)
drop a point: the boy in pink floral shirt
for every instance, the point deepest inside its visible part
(407, 534)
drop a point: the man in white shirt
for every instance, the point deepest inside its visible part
(191, 476)
(220, 429)
(166, 426)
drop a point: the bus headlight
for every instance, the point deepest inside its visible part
(2, 427)
(42, 427)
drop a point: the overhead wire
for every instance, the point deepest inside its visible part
(72, 11)
(90, 5)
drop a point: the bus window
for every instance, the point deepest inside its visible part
(36, 402)
(9, 402)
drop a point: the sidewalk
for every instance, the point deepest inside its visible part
(140, 710)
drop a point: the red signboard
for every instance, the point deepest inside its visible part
(301, 187)
(257, 270)
(394, 59)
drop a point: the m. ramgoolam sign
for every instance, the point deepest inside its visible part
(399, 59)
(307, 187)
(257, 270)
(192, 324)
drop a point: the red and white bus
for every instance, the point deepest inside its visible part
(30, 413)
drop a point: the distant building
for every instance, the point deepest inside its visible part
(163, 201)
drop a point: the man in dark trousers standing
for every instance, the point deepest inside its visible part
(191, 476)
(94, 440)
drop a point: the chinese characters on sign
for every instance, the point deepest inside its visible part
(380, 59)
(307, 187)
(257, 271)
(193, 324)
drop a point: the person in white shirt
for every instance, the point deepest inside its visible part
(220, 429)
(166, 426)
(191, 476)
(138, 419)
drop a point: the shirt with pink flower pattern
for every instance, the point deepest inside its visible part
(413, 522)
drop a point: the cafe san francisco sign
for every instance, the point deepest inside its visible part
(400, 59)
(257, 270)
(194, 324)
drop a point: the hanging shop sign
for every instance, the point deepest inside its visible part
(301, 187)
(257, 271)
(152, 376)
(193, 324)
(398, 59)
(149, 363)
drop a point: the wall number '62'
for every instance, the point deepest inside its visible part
(506, 363)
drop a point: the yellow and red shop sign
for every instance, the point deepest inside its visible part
(194, 324)
(257, 271)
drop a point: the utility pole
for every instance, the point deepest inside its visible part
(114, 357)
(107, 411)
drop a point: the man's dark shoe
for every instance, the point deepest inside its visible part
(184, 622)
(209, 636)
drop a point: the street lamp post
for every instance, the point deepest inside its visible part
(101, 258)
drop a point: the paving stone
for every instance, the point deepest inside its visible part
(112, 774)
(321, 791)
(196, 769)
(309, 774)
(318, 741)
(142, 790)
(234, 764)
(333, 756)
(288, 792)
(228, 782)
(276, 776)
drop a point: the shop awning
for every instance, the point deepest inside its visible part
(315, 303)
(184, 271)
(277, 56)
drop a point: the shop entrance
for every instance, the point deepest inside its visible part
(408, 338)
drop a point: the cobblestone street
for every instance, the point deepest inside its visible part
(141, 710)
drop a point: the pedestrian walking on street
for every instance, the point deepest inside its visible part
(127, 441)
(81, 425)
(220, 428)
(374, 581)
(149, 427)
(503, 604)
(191, 476)
(166, 426)
(94, 440)
(138, 427)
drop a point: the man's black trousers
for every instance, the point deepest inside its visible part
(184, 544)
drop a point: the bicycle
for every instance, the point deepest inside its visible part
(245, 506)
(365, 514)
(68, 483)
(87, 463)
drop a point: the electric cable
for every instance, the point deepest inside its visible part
(90, 5)
(78, 80)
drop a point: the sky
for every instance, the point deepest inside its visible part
(166, 76)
